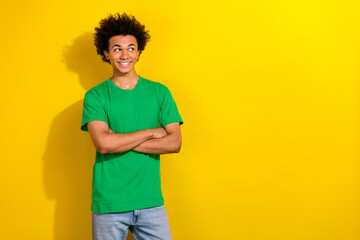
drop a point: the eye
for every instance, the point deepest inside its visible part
(131, 49)
(116, 49)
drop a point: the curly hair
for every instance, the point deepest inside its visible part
(119, 24)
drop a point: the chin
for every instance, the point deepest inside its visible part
(124, 71)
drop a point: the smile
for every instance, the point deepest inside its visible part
(124, 63)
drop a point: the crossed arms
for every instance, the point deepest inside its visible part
(150, 141)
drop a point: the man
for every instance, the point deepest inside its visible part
(131, 121)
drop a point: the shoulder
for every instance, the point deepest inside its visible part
(148, 82)
(98, 90)
(157, 85)
(159, 88)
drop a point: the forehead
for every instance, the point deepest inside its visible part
(123, 40)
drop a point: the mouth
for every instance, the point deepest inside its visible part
(124, 63)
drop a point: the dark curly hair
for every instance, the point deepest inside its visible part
(119, 24)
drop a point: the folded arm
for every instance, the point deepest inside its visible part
(170, 143)
(106, 141)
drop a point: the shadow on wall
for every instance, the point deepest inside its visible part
(70, 155)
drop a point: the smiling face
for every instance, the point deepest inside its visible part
(123, 53)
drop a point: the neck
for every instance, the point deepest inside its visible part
(125, 80)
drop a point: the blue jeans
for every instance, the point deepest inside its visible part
(144, 224)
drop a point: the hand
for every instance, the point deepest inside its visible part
(158, 132)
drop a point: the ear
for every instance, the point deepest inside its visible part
(137, 56)
(106, 53)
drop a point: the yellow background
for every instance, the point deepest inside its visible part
(269, 95)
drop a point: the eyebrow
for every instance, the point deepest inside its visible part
(117, 45)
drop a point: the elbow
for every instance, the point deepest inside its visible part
(177, 147)
(105, 146)
(102, 142)
(102, 151)
(102, 148)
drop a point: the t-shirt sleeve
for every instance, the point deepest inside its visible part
(168, 110)
(93, 109)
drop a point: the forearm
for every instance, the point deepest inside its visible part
(122, 142)
(167, 144)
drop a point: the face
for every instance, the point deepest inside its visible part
(123, 53)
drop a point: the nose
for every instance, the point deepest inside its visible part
(124, 54)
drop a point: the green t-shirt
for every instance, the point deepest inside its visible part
(130, 180)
